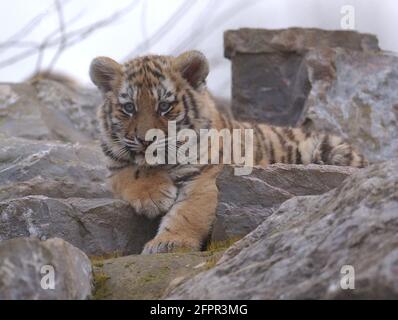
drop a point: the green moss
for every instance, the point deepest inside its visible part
(215, 246)
(160, 274)
(98, 264)
(111, 255)
(100, 289)
(211, 262)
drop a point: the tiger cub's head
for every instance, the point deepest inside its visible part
(146, 93)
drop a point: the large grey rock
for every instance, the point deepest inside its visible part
(69, 112)
(48, 110)
(26, 266)
(52, 189)
(299, 251)
(244, 202)
(354, 94)
(52, 169)
(96, 226)
(269, 75)
(20, 112)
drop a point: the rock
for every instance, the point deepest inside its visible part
(20, 112)
(269, 75)
(299, 251)
(354, 94)
(53, 189)
(52, 169)
(96, 226)
(244, 202)
(148, 276)
(48, 111)
(26, 267)
(70, 113)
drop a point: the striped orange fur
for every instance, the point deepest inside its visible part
(148, 92)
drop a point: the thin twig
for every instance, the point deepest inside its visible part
(162, 31)
(62, 30)
(72, 37)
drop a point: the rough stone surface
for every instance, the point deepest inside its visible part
(67, 110)
(48, 110)
(24, 263)
(299, 251)
(354, 94)
(269, 74)
(96, 226)
(53, 189)
(147, 276)
(20, 112)
(300, 40)
(51, 169)
(244, 202)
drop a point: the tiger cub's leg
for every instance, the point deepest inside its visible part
(150, 192)
(188, 222)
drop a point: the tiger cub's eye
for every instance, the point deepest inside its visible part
(164, 107)
(129, 108)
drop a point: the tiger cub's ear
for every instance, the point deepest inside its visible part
(194, 67)
(105, 73)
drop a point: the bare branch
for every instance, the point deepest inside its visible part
(62, 30)
(29, 27)
(71, 37)
(166, 28)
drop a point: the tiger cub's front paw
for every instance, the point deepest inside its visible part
(165, 243)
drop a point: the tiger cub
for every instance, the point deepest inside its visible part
(147, 93)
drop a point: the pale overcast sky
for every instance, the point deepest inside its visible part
(200, 27)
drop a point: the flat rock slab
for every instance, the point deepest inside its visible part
(51, 168)
(299, 251)
(244, 202)
(147, 276)
(48, 110)
(95, 226)
(26, 267)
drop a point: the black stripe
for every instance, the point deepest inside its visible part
(156, 65)
(272, 152)
(289, 154)
(362, 162)
(325, 149)
(117, 168)
(298, 156)
(156, 73)
(193, 103)
(282, 140)
(186, 120)
(259, 143)
(134, 74)
(168, 230)
(349, 156)
(185, 218)
(189, 177)
(290, 135)
(263, 140)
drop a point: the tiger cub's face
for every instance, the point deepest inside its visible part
(146, 93)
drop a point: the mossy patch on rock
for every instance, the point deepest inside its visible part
(148, 276)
